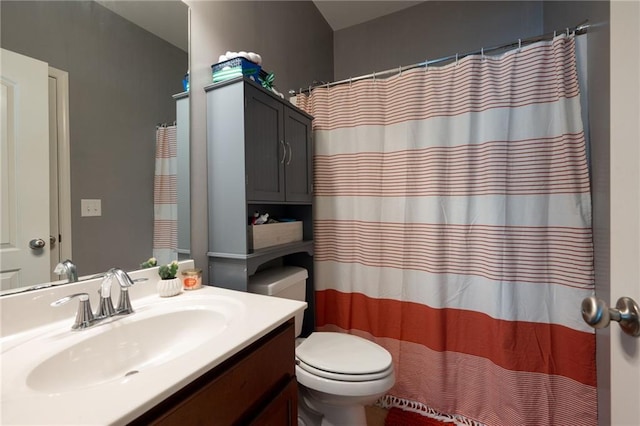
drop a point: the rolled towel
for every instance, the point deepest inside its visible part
(253, 57)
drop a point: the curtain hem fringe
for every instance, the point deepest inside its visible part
(389, 401)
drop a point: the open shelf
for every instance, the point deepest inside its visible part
(258, 257)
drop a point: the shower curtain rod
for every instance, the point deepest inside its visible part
(577, 30)
(159, 125)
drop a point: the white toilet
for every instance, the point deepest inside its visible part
(338, 374)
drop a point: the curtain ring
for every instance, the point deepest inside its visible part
(400, 70)
(349, 82)
(519, 44)
(374, 76)
(456, 59)
(567, 32)
(426, 65)
(554, 33)
(482, 54)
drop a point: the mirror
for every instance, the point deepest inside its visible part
(121, 82)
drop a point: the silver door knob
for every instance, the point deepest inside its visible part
(597, 314)
(37, 244)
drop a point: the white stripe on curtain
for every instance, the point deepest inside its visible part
(165, 225)
(453, 227)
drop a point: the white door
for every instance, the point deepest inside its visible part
(24, 171)
(59, 171)
(625, 205)
(54, 247)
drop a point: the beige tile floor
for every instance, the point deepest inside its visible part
(375, 415)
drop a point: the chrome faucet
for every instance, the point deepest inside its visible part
(85, 318)
(69, 269)
(105, 308)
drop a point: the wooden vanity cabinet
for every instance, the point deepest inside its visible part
(257, 386)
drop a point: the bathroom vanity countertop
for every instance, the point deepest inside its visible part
(124, 399)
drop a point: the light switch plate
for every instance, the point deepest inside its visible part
(90, 207)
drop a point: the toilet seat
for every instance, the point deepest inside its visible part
(341, 376)
(343, 357)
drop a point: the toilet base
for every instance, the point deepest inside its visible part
(312, 412)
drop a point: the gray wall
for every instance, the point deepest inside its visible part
(431, 30)
(121, 79)
(558, 15)
(295, 43)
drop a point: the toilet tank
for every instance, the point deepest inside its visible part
(288, 282)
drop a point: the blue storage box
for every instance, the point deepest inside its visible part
(236, 67)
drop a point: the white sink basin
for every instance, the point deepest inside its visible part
(116, 371)
(126, 348)
(122, 347)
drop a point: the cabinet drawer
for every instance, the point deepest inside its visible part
(238, 389)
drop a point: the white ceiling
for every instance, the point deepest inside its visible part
(343, 14)
(168, 19)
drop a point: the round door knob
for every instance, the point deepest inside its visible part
(597, 314)
(37, 244)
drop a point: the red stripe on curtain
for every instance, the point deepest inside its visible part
(513, 345)
(551, 255)
(165, 189)
(545, 165)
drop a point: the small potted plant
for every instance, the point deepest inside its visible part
(168, 285)
(150, 263)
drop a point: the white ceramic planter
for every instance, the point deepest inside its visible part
(168, 288)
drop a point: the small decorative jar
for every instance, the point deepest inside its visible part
(192, 279)
(170, 287)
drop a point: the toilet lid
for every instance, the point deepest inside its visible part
(345, 354)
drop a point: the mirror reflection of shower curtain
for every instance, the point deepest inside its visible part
(583, 79)
(165, 224)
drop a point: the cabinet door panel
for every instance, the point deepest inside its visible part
(258, 384)
(299, 161)
(264, 146)
(282, 410)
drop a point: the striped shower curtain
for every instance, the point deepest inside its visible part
(453, 227)
(165, 196)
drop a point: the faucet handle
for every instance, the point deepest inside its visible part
(105, 307)
(84, 316)
(124, 302)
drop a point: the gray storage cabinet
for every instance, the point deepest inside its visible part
(260, 157)
(277, 148)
